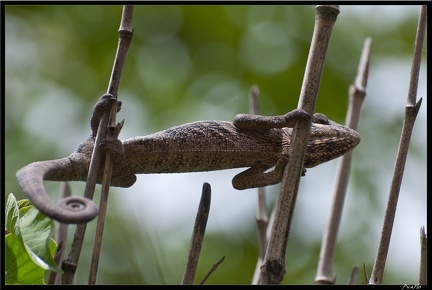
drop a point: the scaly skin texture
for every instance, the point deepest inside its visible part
(252, 141)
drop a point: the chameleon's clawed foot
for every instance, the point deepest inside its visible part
(122, 175)
(103, 104)
(256, 176)
(319, 118)
(280, 165)
(296, 115)
(112, 145)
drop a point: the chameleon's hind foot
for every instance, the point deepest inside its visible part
(103, 104)
(122, 174)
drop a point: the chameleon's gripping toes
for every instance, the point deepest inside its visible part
(252, 141)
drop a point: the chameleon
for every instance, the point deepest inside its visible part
(256, 142)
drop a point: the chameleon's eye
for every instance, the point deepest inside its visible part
(320, 119)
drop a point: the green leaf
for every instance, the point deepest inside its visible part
(37, 231)
(20, 268)
(29, 246)
(12, 216)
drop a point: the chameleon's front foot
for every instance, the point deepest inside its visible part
(296, 115)
(256, 176)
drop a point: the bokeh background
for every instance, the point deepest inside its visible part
(189, 63)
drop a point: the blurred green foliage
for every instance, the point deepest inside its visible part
(185, 63)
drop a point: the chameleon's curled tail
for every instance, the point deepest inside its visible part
(72, 210)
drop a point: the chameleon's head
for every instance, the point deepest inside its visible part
(328, 140)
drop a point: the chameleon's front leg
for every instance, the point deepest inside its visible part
(262, 123)
(256, 176)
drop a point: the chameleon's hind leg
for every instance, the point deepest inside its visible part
(122, 175)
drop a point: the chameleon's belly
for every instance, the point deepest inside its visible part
(201, 146)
